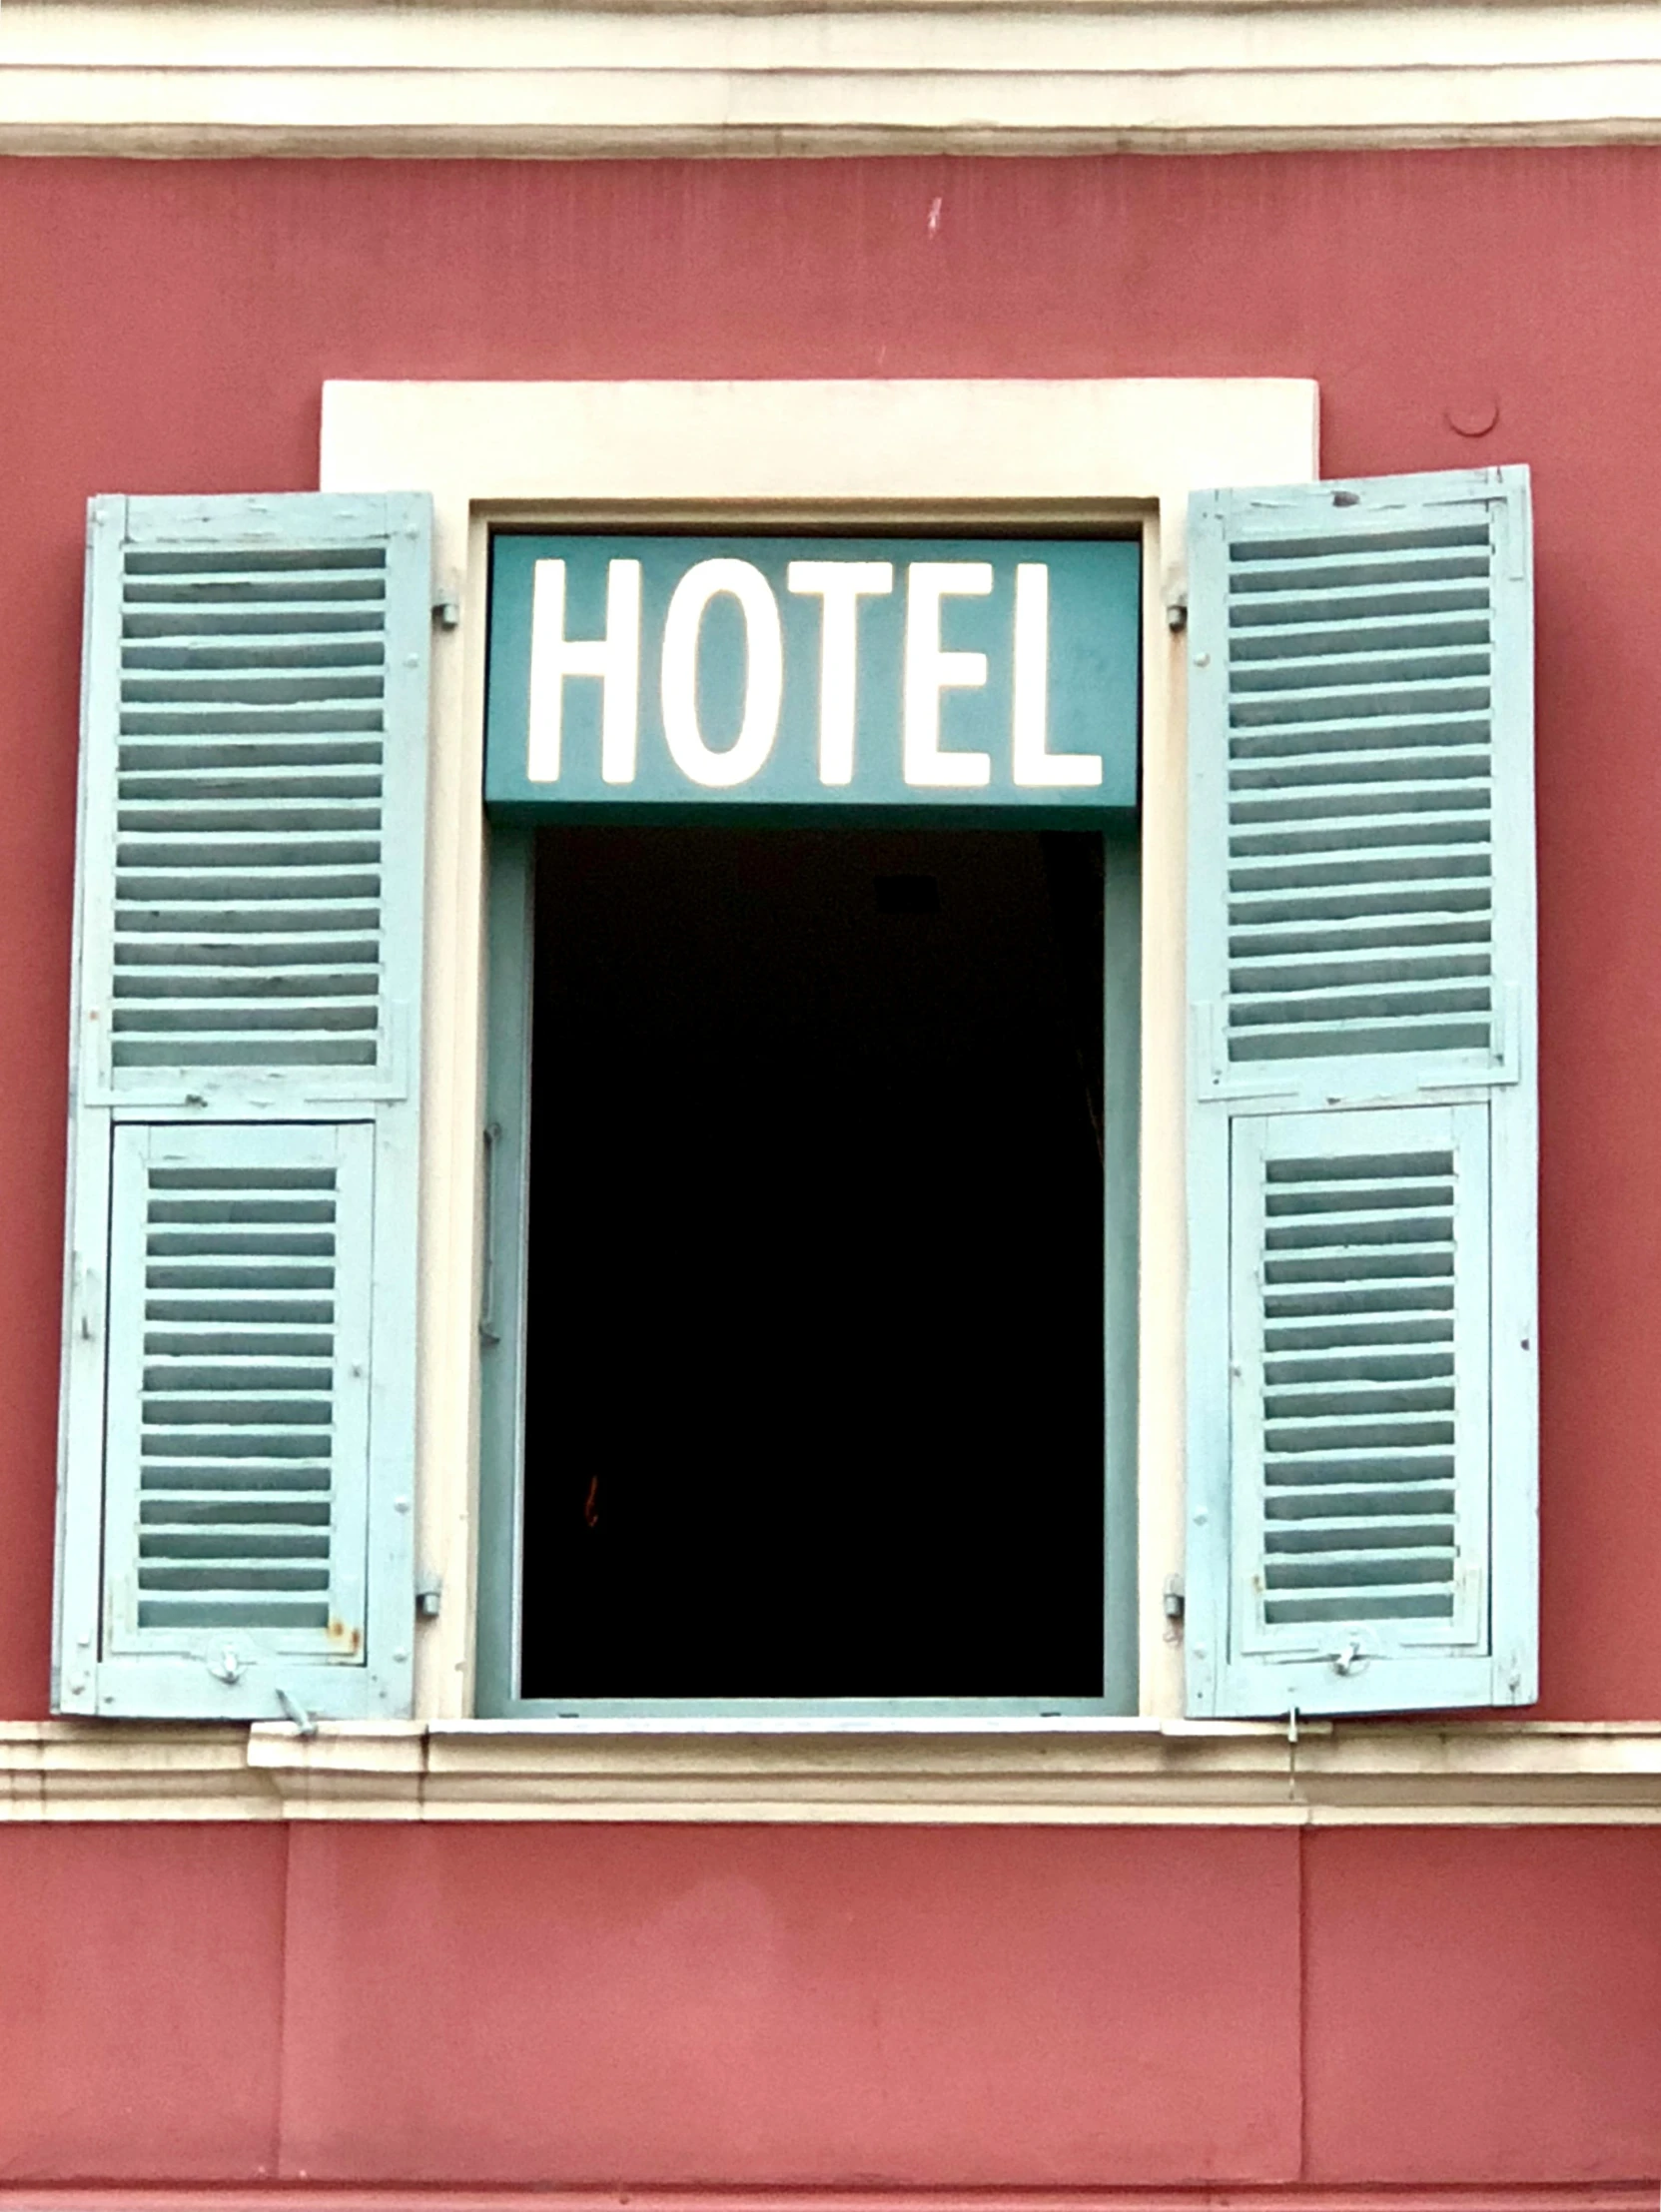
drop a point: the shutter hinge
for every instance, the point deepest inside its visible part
(1175, 1600)
(489, 1331)
(430, 1595)
(88, 1301)
(1177, 611)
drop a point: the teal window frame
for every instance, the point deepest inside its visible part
(509, 942)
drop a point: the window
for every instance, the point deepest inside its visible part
(807, 1331)
(247, 1328)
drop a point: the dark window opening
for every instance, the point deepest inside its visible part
(813, 1331)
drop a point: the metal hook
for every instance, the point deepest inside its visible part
(1291, 1751)
(297, 1713)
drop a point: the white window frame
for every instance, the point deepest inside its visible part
(1002, 454)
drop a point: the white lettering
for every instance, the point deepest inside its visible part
(613, 658)
(930, 671)
(1035, 767)
(763, 673)
(840, 585)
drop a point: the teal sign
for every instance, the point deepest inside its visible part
(789, 675)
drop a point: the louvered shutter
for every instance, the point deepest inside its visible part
(239, 1402)
(1361, 1469)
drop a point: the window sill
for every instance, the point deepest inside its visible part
(1079, 1773)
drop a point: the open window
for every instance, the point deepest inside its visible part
(809, 1346)
(812, 1135)
(810, 1213)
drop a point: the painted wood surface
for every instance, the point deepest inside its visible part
(1362, 1475)
(235, 1511)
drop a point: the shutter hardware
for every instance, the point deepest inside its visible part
(488, 1332)
(297, 1713)
(430, 1595)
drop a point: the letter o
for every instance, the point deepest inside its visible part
(763, 673)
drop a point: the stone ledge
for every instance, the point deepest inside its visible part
(758, 77)
(1086, 1774)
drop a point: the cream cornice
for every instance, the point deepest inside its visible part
(748, 77)
(1124, 1774)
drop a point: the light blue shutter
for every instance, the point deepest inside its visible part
(239, 1401)
(1361, 1469)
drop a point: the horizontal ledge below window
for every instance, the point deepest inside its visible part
(1084, 1774)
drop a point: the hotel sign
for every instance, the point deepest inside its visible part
(789, 675)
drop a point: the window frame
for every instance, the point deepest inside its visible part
(1002, 457)
(510, 1078)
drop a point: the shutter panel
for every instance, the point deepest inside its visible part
(239, 1418)
(1362, 1475)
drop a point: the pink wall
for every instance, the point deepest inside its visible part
(975, 2008)
(171, 324)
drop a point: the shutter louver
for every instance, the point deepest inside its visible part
(239, 1407)
(248, 852)
(1357, 1432)
(1359, 1319)
(1359, 819)
(240, 1326)
(1361, 1467)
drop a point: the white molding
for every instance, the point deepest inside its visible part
(748, 77)
(1081, 1774)
(895, 453)
(120, 1771)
